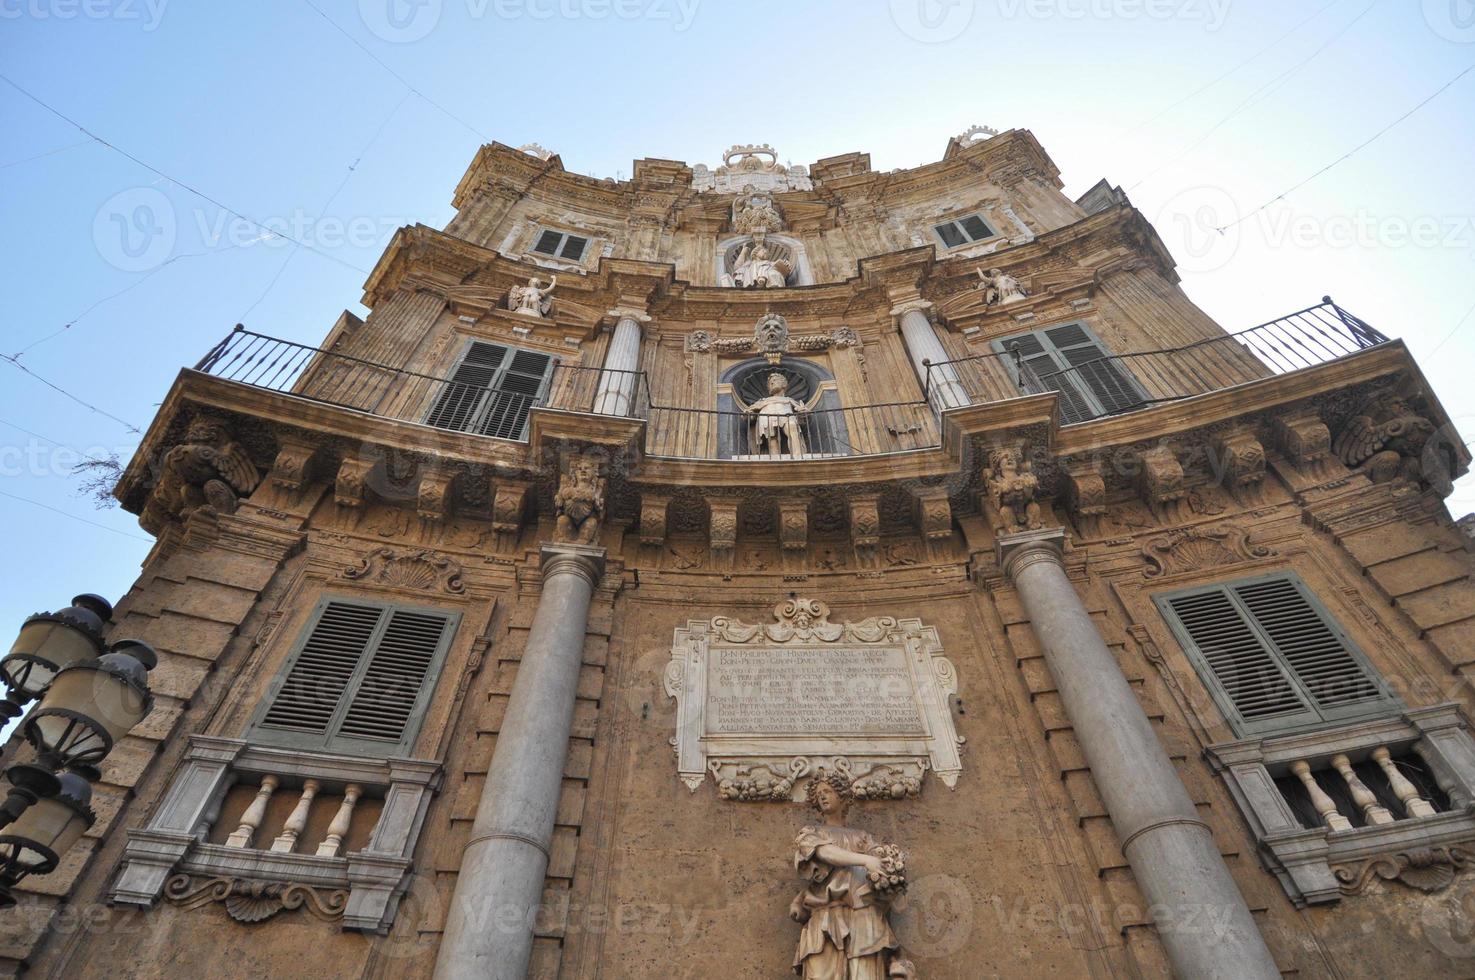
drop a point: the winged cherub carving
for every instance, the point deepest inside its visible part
(208, 469)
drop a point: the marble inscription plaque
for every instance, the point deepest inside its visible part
(763, 708)
(811, 690)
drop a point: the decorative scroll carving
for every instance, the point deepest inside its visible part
(1387, 440)
(772, 339)
(425, 570)
(1305, 440)
(1200, 547)
(292, 469)
(1425, 869)
(256, 901)
(209, 470)
(579, 502)
(762, 707)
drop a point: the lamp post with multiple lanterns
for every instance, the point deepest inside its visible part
(90, 695)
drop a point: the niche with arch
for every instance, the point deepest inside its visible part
(821, 428)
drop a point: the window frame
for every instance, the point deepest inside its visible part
(563, 240)
(330, 740)
(957, 222)
(1313, 715)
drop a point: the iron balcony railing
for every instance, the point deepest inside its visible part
(1102, 384)
(1091, 382)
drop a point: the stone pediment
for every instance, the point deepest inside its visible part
(765, 707)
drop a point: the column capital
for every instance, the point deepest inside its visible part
(585, 561)
(918, 305)
(1016, 551)
(618, 313)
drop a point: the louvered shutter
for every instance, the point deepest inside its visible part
(1112, 385)
(520, 387)
(1042, 372)
(360, 679)
(548, 243)
(463, 398)
(1271, 657)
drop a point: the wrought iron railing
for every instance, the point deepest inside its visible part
(1098, 386)
(1112, 384)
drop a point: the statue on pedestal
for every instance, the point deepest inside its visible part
(534, 299)
(773, 425)
(851, 879)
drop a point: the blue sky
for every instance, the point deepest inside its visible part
(1203, 109)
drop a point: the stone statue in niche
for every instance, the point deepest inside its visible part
(773, 422)
(850, 881)
(1012, 490)
(755, 268)
(999, 288)
(534, 299)
(579, 503)
(209, 469)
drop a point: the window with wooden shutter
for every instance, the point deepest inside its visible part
(562, 245)
(1272, 656)
(1070, 359)
(963, 231)
(492, 391)
(359, 679)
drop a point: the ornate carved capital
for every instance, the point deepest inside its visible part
(585, 561)
(1016, 552)
(912, 306)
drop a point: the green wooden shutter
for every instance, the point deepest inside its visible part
(460, 403)
(359, 680)
(522, 384)
(1272, 657)
(1071, 360)
(492, 391)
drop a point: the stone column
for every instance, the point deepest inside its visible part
(1203, 920)
(944, 390)
(489, 931)
(617, 389)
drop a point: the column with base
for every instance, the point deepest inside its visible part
(1202, 918)
(617, 381)
(941, 381)
(489, 931)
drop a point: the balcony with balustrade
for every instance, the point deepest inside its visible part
(1088, 389)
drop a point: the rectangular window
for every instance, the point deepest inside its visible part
(359, 679)
(1070, 359)
(561, 245)
(963, 231)
(492, 391)
(1272, 656)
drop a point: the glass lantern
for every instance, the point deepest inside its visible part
(91, 704)
(36, 842)
(49, 642)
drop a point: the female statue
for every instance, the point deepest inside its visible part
(850, 882)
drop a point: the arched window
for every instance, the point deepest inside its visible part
(786, 411)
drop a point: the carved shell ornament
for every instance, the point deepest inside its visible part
(1195, 548)
(255, 901)
(426, 570)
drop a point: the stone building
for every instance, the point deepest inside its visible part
(512, 629)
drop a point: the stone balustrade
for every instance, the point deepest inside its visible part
(245, 813)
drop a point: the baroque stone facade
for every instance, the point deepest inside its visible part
(641, 514)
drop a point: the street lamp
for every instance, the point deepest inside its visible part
(47, 643)
(91, 695)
